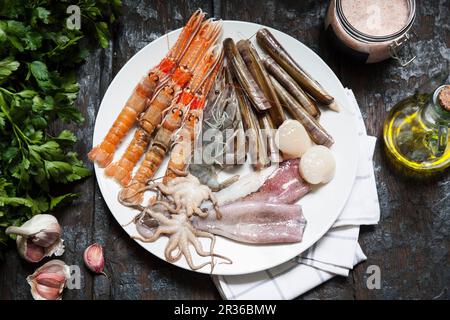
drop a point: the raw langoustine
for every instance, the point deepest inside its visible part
(169, 213)
(256, 222)
(190, 98)
(103, 153)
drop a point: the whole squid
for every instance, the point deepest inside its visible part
(256, 222)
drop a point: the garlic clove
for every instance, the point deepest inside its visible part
(38, 237)
(93, 258)
(48, 281)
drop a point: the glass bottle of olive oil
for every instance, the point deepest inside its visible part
(416, 135)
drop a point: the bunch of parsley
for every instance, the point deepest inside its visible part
(38, 58)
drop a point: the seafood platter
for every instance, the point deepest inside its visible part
(225, 147)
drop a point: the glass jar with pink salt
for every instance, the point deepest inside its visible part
(372, 30)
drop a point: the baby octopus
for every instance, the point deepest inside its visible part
(188, 194)
(169, 214)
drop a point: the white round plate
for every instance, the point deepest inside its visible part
(320, 207)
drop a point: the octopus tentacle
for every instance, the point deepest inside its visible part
(212, 198)
(163, 188)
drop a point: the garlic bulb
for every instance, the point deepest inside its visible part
(38, 238)
(48, 281)
(93, 258)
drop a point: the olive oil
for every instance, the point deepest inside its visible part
(416, 135)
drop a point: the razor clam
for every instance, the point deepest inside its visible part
(259, 73)
(267, 41)
(244, 77)
(317, 133)
(294, 89)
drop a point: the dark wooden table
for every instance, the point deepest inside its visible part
(411, 243)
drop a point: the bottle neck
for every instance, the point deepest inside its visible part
(433, 114)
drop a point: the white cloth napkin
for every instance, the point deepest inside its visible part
(335, 254)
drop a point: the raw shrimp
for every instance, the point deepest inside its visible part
(103, 153)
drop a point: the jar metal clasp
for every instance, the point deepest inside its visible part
(401, 51)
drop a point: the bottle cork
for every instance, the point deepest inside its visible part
(444, 98)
